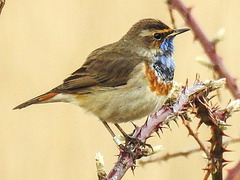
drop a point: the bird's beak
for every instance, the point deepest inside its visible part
(178, 31)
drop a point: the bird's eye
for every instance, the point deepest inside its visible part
(157, 36)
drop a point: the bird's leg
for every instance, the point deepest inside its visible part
(128, 138)
(131, 143)
(108, 128)
(115, 138)
(133, 146)
(121, 130)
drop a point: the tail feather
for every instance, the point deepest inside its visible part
(39, 99)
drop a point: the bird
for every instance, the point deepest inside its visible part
(123, 81)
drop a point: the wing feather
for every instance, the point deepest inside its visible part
(105, 70)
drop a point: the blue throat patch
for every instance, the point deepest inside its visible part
(164, 63)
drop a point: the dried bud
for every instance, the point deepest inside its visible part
(216, 84)
(233, 106)
(204, 62)
(147, 151)
(100, 166)
(219, 36)
(175, 90)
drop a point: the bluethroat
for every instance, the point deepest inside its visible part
(125, 80)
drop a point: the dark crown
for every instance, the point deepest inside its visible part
(150, 24)
(145, 24)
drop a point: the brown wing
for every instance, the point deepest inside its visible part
(106, 67)
(107, 70)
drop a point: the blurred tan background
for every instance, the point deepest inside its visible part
(43, 41)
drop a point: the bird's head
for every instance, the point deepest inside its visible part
(152, 36)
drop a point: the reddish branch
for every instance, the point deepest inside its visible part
(169, 156)
(183, 153)
(156, 121)
(215, 118)
(195, 136)
(207, 45)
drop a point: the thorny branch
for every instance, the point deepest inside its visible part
(195, 136)
(157, 121)
(168, 156)
(197, 94)
(183, 153)
(2, 3)
(207, 45)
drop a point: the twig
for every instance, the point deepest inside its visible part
(2, 3)
(195, 136)
(216, 153)
(184, 153)
(207, 174)
(171, 15)
(215, 118)
(101, 173)
(156, 121)
(207, 45)
(168, 156)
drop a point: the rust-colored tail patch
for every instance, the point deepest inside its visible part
(47, 96)
(36, 100)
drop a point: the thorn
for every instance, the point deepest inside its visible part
(207, 168)
(169, 126)
(226, 161)
(184, 90)
(213, 96)
(226, 150)
(210, 140)
(195, 38)
(117, 155)
(150, 136)
(133, 167)
(176, 122)
(134, 125)
(197, 75)
(226, 125)
(161, 129)
(223, 134)
(191, 104)
(216, 107)
(229, 102)
(187, 82)
(224, 164)
(157, 133)
(205, 102)
(189, 134)
(190, 9)
(199, 124)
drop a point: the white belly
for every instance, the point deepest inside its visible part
(121, 105)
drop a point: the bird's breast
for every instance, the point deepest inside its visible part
(141, 96)
(156, 84)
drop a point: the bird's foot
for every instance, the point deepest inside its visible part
(135, 147)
